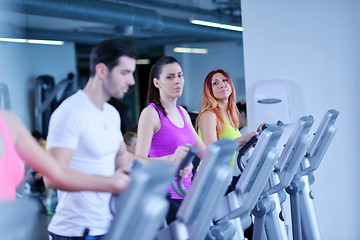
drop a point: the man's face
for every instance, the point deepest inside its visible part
(120, 78)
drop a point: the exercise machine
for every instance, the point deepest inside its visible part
(4, 97)
(303, 216)
(209, 185)
(269, 216)
(231, 198)
(249, 186)
(45, 98)
(141, 209)
(176, 183)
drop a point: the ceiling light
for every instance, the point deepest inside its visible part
(34, 41)
(217, 25)
(143, 61)
(190, 50)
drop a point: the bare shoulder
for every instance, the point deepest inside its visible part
(207, 120)
(149, 117)
(10, 118)
(208, 116)
(149, 111)
(149, 121)
(6, 114)
(13, 123)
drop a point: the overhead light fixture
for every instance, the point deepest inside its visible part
(190, 50)
(143, 61)
(217, 25)
(34, 41)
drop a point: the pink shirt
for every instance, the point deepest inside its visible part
(11, 166)
(168, 138)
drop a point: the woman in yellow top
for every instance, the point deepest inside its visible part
(219, 116)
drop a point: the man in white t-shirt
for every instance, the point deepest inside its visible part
(84, 134)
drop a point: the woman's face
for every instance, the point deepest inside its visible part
(171, 80)
(220, 87)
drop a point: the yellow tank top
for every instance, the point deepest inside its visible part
(229, 132)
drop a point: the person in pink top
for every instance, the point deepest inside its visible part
(164, 126)
(18, 145)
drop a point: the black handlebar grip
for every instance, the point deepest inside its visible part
(179, 187)
(187, 159)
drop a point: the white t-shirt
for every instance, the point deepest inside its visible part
(95, 136)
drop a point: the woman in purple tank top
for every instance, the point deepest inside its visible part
(164, 127)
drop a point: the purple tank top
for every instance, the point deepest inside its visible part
(168, 138)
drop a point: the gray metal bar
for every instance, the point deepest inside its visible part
(255, 175)
(321, 141)
(4, 97)
(208, 187)
(143, 206)
(305, 223)
(309, 224)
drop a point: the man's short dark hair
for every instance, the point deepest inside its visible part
(108, 52)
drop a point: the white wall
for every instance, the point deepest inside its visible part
(224, 55)
(21, 63)
(313, 44)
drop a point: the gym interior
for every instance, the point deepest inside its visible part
(303, 53)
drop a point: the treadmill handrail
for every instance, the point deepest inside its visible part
(320, 143)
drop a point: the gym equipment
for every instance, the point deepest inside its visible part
(116, 198)
(231, 199)
(268, 211)
(176, 183)
(45, 98)
(244, 149)
(17, 219)
(304, 221)
(4, 97)
(142, 207)
(208, 187)
(249, 187)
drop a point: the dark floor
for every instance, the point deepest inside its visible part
(40, 231)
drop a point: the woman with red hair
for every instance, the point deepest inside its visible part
(219, 116)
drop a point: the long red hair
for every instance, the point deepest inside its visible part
(210, 103)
